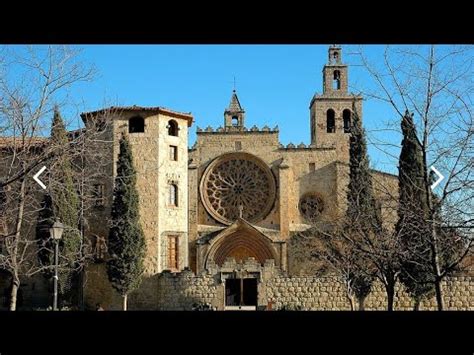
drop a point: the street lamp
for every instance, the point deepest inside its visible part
(56, 232)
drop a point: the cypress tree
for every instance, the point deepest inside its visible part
(362, 219)
(413, 211)
(126, 239)
(65, 204)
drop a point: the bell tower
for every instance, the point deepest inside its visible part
(335, 73)
(332, 111)
(234, 114)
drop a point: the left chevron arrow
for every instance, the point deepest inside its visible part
(36, 177)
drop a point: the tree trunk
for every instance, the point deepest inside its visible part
(125, 302)
(14, 293)
(351, 302)
(439, 295)
(390, 289)
(361, 301)
(416, 306)
(350, 295)
(14, 252)
(435, 262)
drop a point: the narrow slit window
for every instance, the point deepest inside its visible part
(336, 83)
(173, 153)
(173, 195)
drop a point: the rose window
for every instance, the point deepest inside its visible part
(238, 184)
(311, 207)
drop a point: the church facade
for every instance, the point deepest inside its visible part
(221, 220)
(223, 213)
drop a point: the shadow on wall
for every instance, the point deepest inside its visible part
(165, 291)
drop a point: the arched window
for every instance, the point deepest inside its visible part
(346, 116)
(235, 121)
(336, 82)
(173, 195)
(173, 128)
(136, 125)
(330, 121)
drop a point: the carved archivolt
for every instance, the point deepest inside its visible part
(311, 206)
(238, 184)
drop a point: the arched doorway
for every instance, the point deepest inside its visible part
(246, 250)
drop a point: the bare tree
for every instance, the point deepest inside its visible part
(32, 81)
(436, 84)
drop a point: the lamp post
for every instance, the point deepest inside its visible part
(56, 232)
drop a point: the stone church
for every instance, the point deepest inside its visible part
(220, 218)
(222, 214)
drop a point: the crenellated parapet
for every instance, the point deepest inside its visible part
(302, 146)
(231, 129)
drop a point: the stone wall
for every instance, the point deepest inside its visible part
(180, 291)
(329, 293)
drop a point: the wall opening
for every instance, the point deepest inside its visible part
(241, 292)
(346, 116)
(173, 153)
(136, 125)
(330, 121)
(173, 128)
(173, 195)
(235, 121)
(336, 82)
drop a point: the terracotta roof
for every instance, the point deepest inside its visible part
(188, 116)
(16, 141)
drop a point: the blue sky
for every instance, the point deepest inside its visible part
(275, 84)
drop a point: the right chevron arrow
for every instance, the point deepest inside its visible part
(440, 178)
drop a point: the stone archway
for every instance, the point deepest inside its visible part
(241, 246)
(240, 242)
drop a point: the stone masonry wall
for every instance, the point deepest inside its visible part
(328, 293)
(179, 291)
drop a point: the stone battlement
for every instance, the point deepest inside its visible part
(302, 146)
(227, 130)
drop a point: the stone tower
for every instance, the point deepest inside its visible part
(159, 141)
(234, 115)
(331, 112)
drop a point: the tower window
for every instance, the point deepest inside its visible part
(235, 121)
(336, 82)
(173, 195)
(173, 153)
(173, 256)
(173, 128)
(346, 116)
(136, 125)
(330, 121)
